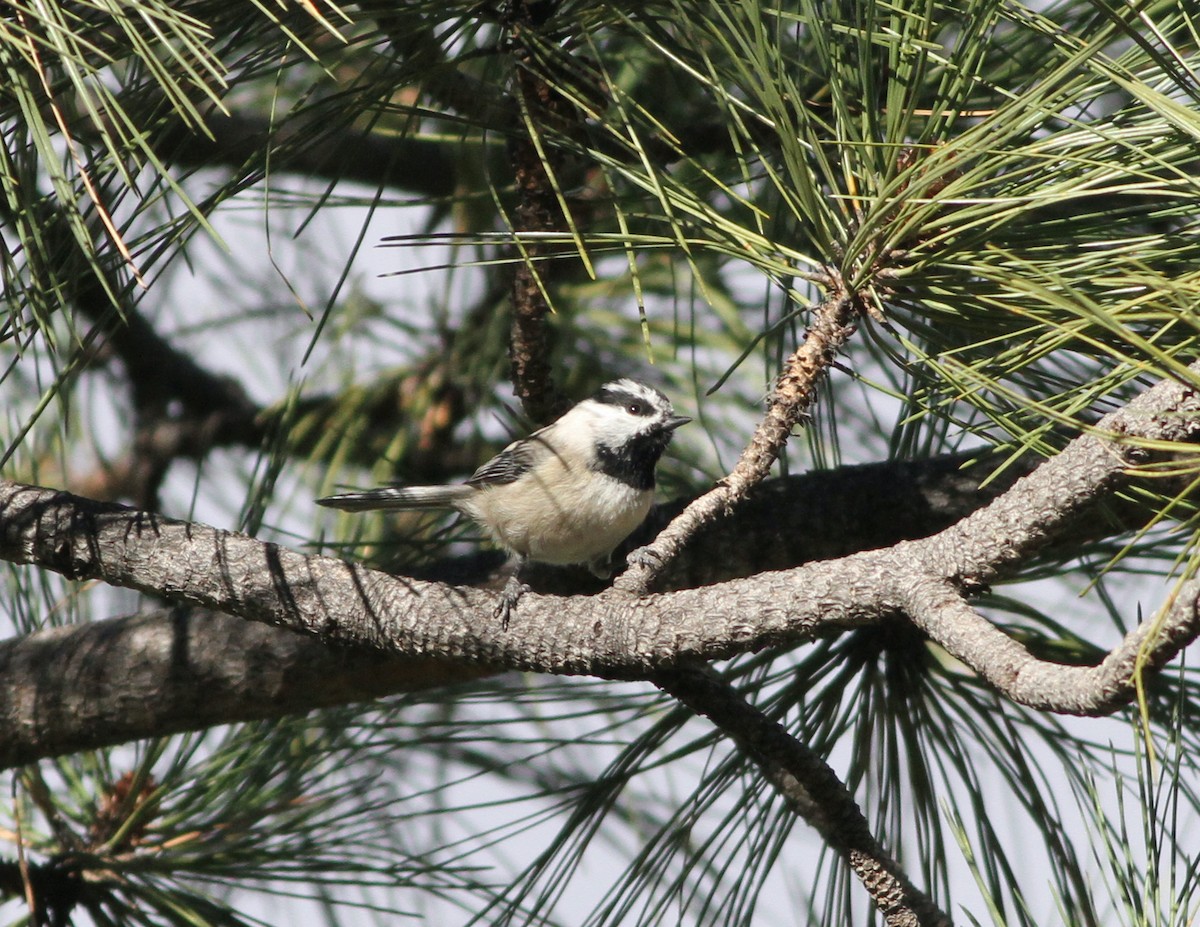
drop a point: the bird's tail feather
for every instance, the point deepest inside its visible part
(398, 497)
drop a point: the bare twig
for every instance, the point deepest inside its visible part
(180, 408)
(794, 394)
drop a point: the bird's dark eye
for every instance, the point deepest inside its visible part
(636, 408)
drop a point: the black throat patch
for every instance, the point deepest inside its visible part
(632, 463)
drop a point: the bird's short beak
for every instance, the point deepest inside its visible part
(674, 422)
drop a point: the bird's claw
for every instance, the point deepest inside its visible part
(646, 557)
(510, 595)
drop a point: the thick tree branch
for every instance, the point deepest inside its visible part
(108, 682)
(811, 787)
(610, 634)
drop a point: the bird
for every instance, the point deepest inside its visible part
(568, 493)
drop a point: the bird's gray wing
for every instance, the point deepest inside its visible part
(511, 463)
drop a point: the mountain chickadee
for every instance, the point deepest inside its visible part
(569, 493)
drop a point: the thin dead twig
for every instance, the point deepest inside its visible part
(833, 322)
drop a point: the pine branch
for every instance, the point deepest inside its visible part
(611, 634)
(795, 392)
(813, 790)
(84, 678)
(242, 142)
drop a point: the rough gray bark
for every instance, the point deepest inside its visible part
(107, 682)
(112, 681)
(612, 634)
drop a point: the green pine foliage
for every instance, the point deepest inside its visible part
(1010, 189)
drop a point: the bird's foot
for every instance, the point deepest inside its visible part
(510, 595)
(646, 557)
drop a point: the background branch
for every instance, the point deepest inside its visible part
(811, 787)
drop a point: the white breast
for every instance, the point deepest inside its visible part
(560, 514)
